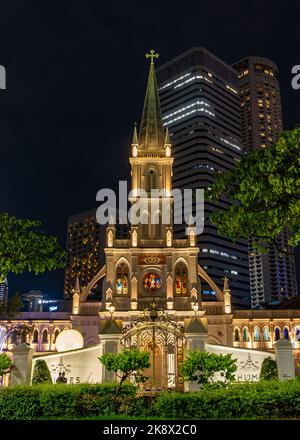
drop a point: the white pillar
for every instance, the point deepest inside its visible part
(285, 359)
(22, 359)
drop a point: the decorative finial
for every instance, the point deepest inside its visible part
(167, 137)
(135, 136)
(152, 55)
(226, 285)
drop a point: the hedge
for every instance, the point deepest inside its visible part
(261, 400)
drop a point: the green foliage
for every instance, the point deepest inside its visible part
(12, 308)
(127, 363)
(259, 400)
(265, 190)
(5, 364)
(69, 401)
(208, 368)
(41, 373)
(24, 247)
(268, 369)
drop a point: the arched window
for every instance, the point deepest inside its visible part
(56, 334)
(286, 333)
(151, 180)
(45, 336)
(35, 339)
(122, 279)
(277, 333)
(266, 335)
(245, 335)
(297, 333)
(181, 279)
(256, 334)
(236, 334)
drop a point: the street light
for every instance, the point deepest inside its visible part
(196, 308)
(111, 309)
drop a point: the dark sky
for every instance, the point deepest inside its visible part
(76, 76)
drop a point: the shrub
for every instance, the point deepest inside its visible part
(41, 373)
(20, 403)
(268, 369)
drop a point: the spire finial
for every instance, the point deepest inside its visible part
(167, 138)
(77, 285)
(135, 136)
(226, 284)
(152, 55)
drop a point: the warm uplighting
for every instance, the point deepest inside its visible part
(196, 308)
(111, 309)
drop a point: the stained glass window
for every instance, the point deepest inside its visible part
(181, 279)
(122, 279)
(152, 282)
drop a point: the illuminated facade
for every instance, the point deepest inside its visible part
(271, 277)
(152, 290)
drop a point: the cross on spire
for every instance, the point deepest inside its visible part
(152, 55)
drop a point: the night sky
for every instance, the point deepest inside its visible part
(76, 77)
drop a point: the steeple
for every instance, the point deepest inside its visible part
(151, 129)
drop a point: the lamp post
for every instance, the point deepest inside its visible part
(111, 309)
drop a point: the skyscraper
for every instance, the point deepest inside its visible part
(201, 107)
(84, 246)
(4, 292)
(271, 276)
(85, 242)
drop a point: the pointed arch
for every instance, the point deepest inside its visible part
(84, 294)
(35, 337)
(266, 334)
(236, 334)
(256, 334)
(45, 336)
(122, 275)
(212, 284)
(245, 334)
(181, 277)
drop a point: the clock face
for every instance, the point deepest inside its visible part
(152, 282)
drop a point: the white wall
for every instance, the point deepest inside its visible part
(248, 361)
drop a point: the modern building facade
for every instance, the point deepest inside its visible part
(84, 247)
(85, 250)
(201, 108)
(272, 277)
(4, 292)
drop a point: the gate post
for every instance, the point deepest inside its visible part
(22, 359)
(285, 359)
(109, 337)
(196, 335)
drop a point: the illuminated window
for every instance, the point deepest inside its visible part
(286, 333)
(56, 334)
(266, 336)
(277, 334)
(181, 279)
(122, 279)
(152, 282)
(256, 334)
(236, 335)
(245, 335)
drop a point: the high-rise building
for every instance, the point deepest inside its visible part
(4, 292)
(271, 276)
(201, 107)
(85, 250)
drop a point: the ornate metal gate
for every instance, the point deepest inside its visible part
(155, 332)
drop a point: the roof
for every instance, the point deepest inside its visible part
(196, 325)
(109, 327)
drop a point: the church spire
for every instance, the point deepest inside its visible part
(151, 130)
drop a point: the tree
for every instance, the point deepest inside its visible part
(13, 306)
(127, 363)
(268, 369)
(208, 368)
(5, 364)
(264, 189)
(24, 247)
(41, 373)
